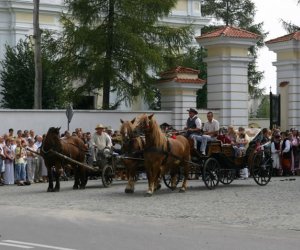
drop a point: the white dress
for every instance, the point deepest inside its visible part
(9, 174)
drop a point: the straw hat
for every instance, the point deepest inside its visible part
(99, 126)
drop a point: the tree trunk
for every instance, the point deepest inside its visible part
(108, 56)
(37, 57)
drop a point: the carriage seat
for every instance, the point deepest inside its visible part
(213, 147)
(228, 150)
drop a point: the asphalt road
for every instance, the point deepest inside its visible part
(242, 215)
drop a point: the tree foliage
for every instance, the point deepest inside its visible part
(263, 110)
(17, 76)
(118, 45)
(289, 26)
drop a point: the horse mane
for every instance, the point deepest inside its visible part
(156, 136)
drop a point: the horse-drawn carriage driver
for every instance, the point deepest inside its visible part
(193, 123)
(101, 140)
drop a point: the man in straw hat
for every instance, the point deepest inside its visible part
(101, 139)
(193, 123)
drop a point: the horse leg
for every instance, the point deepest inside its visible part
(151, 183)
(83, 179)
(131, 171)
(76, 178)
(186, 175)
(50, 178)
(57, 181)
(158, 179)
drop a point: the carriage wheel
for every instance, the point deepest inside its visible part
(167, 179)
(210, 173)
(261, 169)
(226, 176)
(107, 175)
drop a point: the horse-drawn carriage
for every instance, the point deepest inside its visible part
(145, 148)
(72, 153)
(222, 164)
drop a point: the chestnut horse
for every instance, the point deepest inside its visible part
(162, 154)
(132, 147)
(72, 147)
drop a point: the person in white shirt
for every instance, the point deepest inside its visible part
(101, 140)
(210, 132)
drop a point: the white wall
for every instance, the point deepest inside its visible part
(41, 120)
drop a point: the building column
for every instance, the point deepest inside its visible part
(227, 73)
(287, 49)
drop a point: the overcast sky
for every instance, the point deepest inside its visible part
(270, 12)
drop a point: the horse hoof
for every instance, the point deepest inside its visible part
(173, 188)
(158, 187)
(82, 187)
(182, 190)
(129, 191)
(148, 194)
(50, 190)
(75, 187)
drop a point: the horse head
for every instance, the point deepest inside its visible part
(145, 123)
(127, 129)
(52, 140)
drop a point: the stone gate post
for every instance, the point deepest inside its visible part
(227, 72)
(287, 49)
(178, 88)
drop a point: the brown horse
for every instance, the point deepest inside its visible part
(132, 147)
(72, 147)
(162, 154)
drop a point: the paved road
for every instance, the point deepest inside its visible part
(242, 215)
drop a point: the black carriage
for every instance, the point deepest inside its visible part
(221, 165)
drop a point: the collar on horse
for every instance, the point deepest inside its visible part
(129, 143)
(161, 150)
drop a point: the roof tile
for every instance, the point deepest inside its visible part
(288, 37)
(229, 31)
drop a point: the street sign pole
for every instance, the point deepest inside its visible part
(69, 114)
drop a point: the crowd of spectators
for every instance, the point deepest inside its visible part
(20, 162)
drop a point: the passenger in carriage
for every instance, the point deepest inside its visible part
(242, 142)
(193, 123)
(223, 136)
(231, 134)
(210, 132)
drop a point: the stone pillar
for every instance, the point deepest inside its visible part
(227, 73)
(287, 49)
(178, 88)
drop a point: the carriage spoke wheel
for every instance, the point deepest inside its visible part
(261, 169)
(210, 173)
(107, 175)
(168, 180)
(226, 176)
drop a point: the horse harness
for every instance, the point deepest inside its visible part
(167, 153)
(129, 145)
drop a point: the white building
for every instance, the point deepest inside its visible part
(16, 21)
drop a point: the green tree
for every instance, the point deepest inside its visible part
(119, 46)
(289, 26)
(263, 110)
(18, 76)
